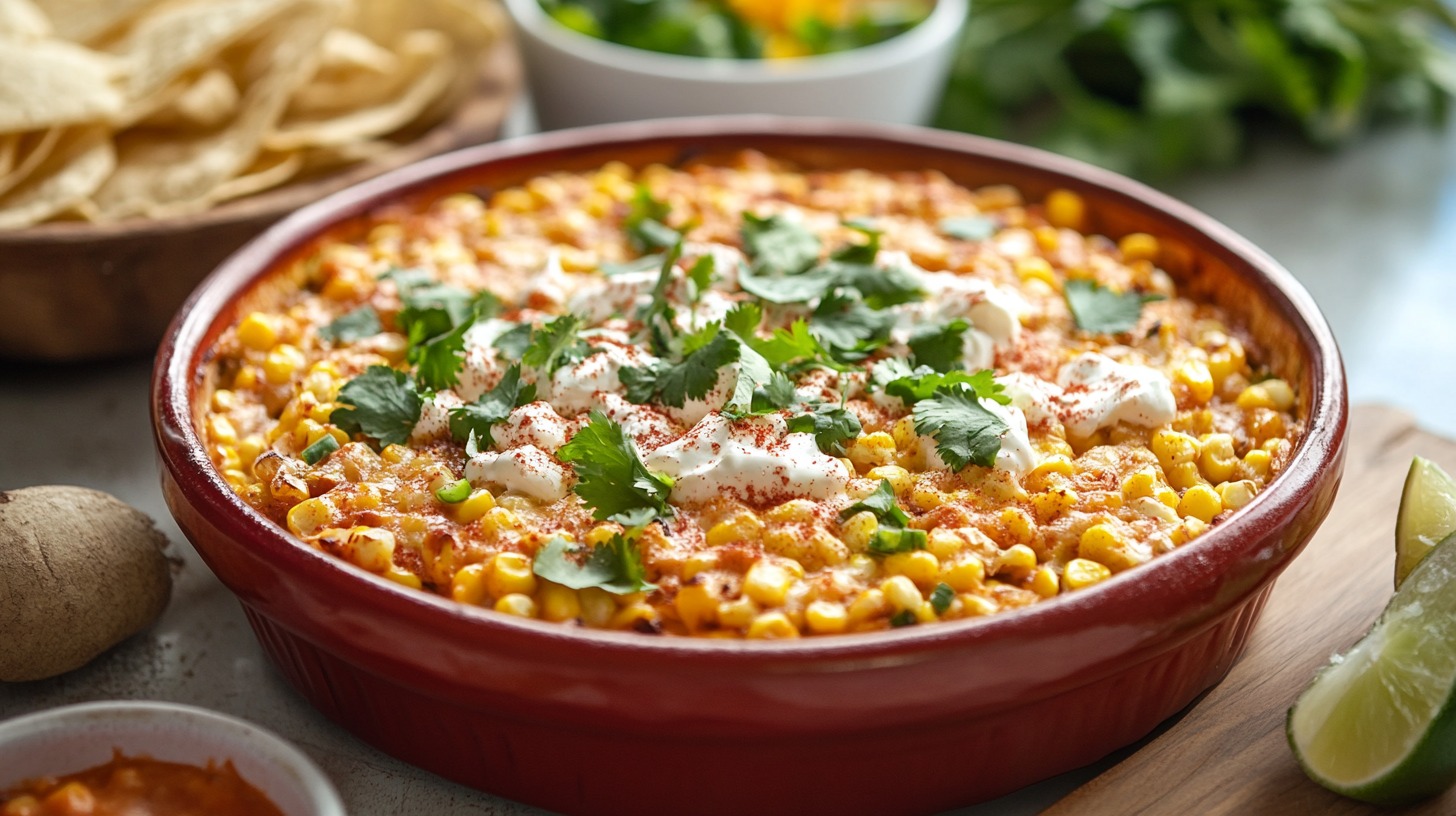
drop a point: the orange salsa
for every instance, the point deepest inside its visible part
(137, 786)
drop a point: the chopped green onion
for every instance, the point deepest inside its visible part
(326, 445)
(902, 618)
(455, 492)
(888, 541)
(942, 596)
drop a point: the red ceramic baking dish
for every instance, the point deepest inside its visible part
(905, 721)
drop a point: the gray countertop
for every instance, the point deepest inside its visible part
(1370, 231)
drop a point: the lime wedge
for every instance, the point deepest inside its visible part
(1427, 514)
(1379, 723)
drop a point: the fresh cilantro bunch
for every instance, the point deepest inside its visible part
(1157, 87)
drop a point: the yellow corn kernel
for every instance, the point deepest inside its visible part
(857, 530)
(1139, 246)
(221, 430)
(236, 479)
(1236, 494)
(863, 566)
(918, 565)
(1018, 525)
(1066, 209)
(772, 625)
(468, 585)
(965, 574)
(871, 604)
(1106, 545)
(511, 573)
(372, 548)
(1201, 502)
(796, 511)
(899, 478)
(1184, 475)
(1037, 268)
(975, 606)
(767, 583)
(256, 332)
(501, 519)
(1080, 573)
(249, 448)
(1194, 374)
(1190, 529)
(1018, 558)
(559, 603)
(513, 199)
(516, 604)
(737, 614)
(830, 550)
(1217, 458)
(282, 363)
(246, 378)
(1140, 483)
(597, 607)
(901, 593)
(826, 617)
(1226, 361)
(1152, 508)
(783, 46)
(404, 577)
(1057, 463)
(224, 400)
(904, 433)
(871, 450)
(309, 516)
(696, 606)
(926, 498)
(1167, 496)
(1173, 448)
(1257, 461)
(634, 614)
(1266, 425)
(1280, 394)
(944, 543)
(1044, 582)
(1053, 503)
(478, 503)
(744, 526)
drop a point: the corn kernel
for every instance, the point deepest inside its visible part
(559, 603)
(1035, 268)
(1018, 525)
(597, 607)
(1236, 494)
(1190, 529)
(1065, 208)
(511, 573)
(475, 505)
(826, 617)
(468, 584)
(1081, 573)
(926, 498)
(1139, 246)
(696, 606)
(898, 477)
(743, 526)
(1106, 545)
(221, 430)
(256, 332)
(633, 615)
(1173, 448)
(1184, 475)
(404, 577)
(964, 575)
(1140, 483)
(871, 450)
(918, 565)
(1201, 502)
(1152, 508)
(309, 516)
(975, 605)
(1194, 375)
(767, 583)
(282, 363)
(372, 548)
(1266, 425)
(737, 614)
(1044, 582)
(795, 511)
(901, 593)
(1257, 462)
(871, 604)
(500, 519)
(1018, 558)
(771, 625)
(1053, 503)
(857, 530)
(516, 604)
(904, 433)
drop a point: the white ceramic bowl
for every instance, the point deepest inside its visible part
(70, 739)
(580, 80)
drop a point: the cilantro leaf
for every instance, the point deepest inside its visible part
(658, 314)
(407, 278)
(611, 478)
(614, 565)
(830, 424)
(353, 326)
(922, 383)
(968, 228)
(794, 345)
(491, 408)
(430, 310)
(646, 223)
(941, 597)
(891, 540)
(1099, 309)
(646, 263)
(882, 503)
(860, 253)
(790, 288)
(555, 344)
(701, 275)
(965, 431)
(882, 286)
(940, 347)
(775, 395)
(513, 342)
(440, 359)
(744, 319)
(848, 328)
(385, 405)
(673, 384)
(778, 245)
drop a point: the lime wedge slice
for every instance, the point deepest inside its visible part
(1427, 514)
(1379, 723)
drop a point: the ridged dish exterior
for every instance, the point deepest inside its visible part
(906, 721)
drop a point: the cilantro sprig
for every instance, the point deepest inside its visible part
(965, 431)
(352, 326)
(384, 404)
(778, 245)
(614, 565)
(555, 344)
(611, 478)
(1096, 308)
(674, 383)
(831, 426)
(476, 419)
(912, 385)
(941, 347)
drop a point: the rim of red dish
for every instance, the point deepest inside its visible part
(182, 358)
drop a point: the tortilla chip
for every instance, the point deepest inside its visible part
(29, 150)
(271, 170)
(206, 102)
(21, 20)
(163, 171)
(85, 21)
(50, 83)
(78, 165)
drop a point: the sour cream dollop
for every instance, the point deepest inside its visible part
(1098, 391)
(754, 459)
(527, 470)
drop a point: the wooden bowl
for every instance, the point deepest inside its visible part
(917, 719)
(77, 291)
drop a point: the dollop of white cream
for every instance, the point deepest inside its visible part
(573, 386)
(1036, 397)
(1016, 454)
(694, 410)
(754, 459)
(482, 367)
(434, 421)
(612, 295)
(648, 426)
(1098, 391)
(994, 312)
(526, 470)
(536, 424)
(551, 285)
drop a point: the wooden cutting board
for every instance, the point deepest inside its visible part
(1227, 754)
